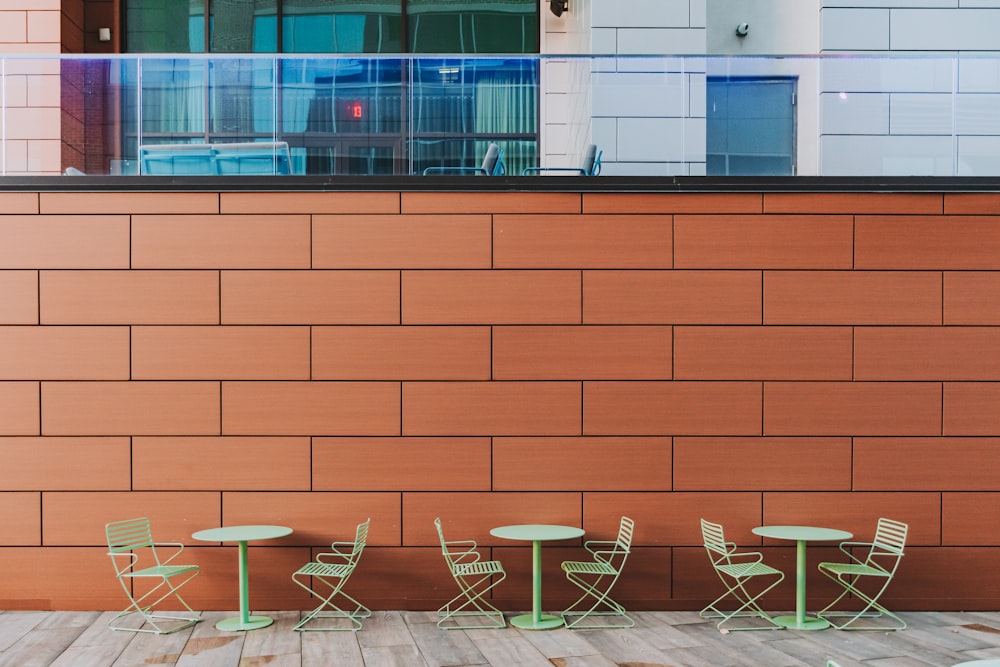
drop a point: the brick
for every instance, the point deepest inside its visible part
(224, 464)
(471, 515)
(925, 464)
(21, 515)
(129, 203)
(582, 241)
(130, 408)
(269, 568)
(491, 297)
(853, 203)
(73, 518)
(491, 408)
(36, 578)
(763, 241)
(852, 408)
(20, 297)
(858, 513)
(402, 241)
(852, 297)
(927, 353)
(19, 408)
(971, 297)
(226, 353)
(64, 353)
(129, 297)
(581, 352)
(19, 202)
(765, 464)
(971, 408)
(224, 241)
(951, 589)
(418, 464)
(964, 515)
(970, 203)
(762, 353)
(317, 518)
(309, 202)
(672, 519)
(310, 297)
(64, 242)
(67, 464)
(672, 408)
(401, 353)
(490, 202)
(672, 297)
(671, 202)
(588, 464)
(310, 408)
(927, 242)
(386, 579)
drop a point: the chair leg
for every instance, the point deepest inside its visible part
(748, 607)
(145, 611)
(601, 597)
(328, 609)
(872, 608)
(473, 596)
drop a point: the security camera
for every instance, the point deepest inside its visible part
(557, 7)
(742, 30)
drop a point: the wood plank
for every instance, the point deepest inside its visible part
(393, 656)
(211, 647)
(275, 641)
(441, 648)
(507, 647)
(45, 642)
(16, 624)
(384, 628)
(325, 648)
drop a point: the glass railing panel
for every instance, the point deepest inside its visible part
(833, 115)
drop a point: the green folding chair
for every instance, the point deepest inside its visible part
(475, 578)
(136, 558)
(596, 578)
(332, 569)
(737, 570)
(878, 566)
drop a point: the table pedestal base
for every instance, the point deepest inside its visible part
(809, 623)
(236, 624)
(528, 622)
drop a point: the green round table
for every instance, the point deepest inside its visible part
(242, 535)
(801, 535)
(536, 534)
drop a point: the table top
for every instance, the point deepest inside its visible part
(536, 532)
(241, 533)
(803, 533)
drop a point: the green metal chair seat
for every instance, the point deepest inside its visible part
(596, 578)
(332, 569)
(480, 567)
(475, 578)
(752, 569)
(882, 557)
(130, 543)
(736, 570)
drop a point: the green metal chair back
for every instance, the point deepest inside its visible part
(135, 555)
(475, 578)
(596, 578)
(737, 570)
(332, 569)
(882, 558)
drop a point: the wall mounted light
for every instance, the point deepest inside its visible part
(742, 30)
(557, 7)
(104, 34)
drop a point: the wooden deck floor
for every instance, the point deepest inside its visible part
(392, 638)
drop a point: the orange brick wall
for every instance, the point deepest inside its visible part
(315, 358)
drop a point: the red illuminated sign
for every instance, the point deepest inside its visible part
(355, 110)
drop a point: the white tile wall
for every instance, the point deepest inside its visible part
(854, 113)
(855, 29)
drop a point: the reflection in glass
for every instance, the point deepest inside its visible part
(243, 26)
(341, 26)
(472, 26)
(165, 26)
